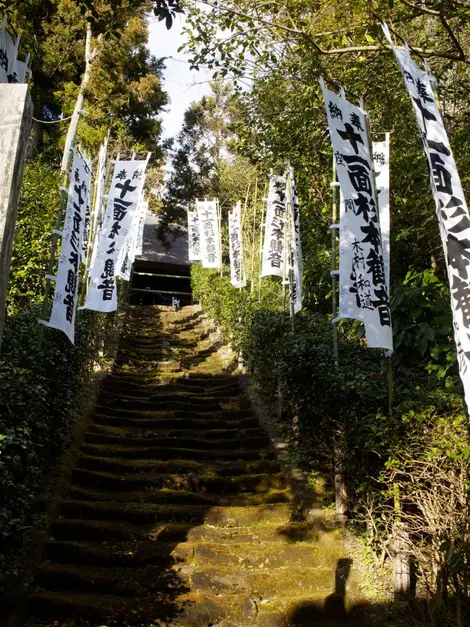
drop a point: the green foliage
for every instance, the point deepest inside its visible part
(37, 214)
(332, 413)
(42, 394)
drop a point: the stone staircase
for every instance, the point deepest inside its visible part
(178, 512)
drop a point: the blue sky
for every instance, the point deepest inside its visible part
(182, 84)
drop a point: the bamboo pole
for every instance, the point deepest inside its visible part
(260, 255)
(253, 241)
(290, 213)
(55, 238)
(387, 354)
(334, 268)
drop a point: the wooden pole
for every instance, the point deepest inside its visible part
(261, 233)
(290, 213)
(387, 356)
(253, 241)
(334, 268)
(219, 216)
(55, 239)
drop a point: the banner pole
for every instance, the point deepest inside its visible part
(219, 216)
(387, 354)
(290, 254)
(334, 269)
(55, 239)
(262, 226)
(253, 239)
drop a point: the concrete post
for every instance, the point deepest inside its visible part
(16, 110)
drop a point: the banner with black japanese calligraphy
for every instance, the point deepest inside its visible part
(128, 251)
(274, 234)
(367, 282)
(296, 264)
(194, 236)
(237, 262)
(123, 198)
(8, 52)
(451, 207)
(381, 155)
(64, 306)
(209, 233)
(139, 245)
(99, 205)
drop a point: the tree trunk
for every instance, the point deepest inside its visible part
(73, 126)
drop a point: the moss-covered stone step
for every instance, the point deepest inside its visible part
(135, 552)
(155, 388)
(122, 397)
(172, 403)
(251, 558)
(180, 497)
(136, 433)
(53, 606)
(290, 534)
(165, 439)
(118, 580)
(178, 466)
(195, 514)
(167, 452)
(177, 419)
(77, 529)
(255, 483)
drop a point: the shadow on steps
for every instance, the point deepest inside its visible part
(178, 514)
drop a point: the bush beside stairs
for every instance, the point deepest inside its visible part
(178, 513)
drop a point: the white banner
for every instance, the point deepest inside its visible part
(124, 195)
(381, 156)
(295, 262)
(273, 249)
(209, 233)
(64, 306)
(367, 281)
(139, 245)
(237, 262)
(97, 217)
(8, 52)
(21, 72)
(194, 236)
(451, 207)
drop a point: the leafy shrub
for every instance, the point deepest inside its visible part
(325, 406)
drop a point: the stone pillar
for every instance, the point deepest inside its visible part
(16, 110)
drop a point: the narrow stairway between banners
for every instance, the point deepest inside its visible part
(178, 512)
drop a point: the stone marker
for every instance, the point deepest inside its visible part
(16, 110)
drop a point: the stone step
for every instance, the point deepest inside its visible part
(268, 535)
(175, 419)
(176, 466)
(136, 553)
(156, 390)
(255, 483)
(118, 580)
(120, 402)
(52, 606)
(180, 497)
(246, 559)
(167, 452)
(194, 514)
(143, 435)
(165, 439)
